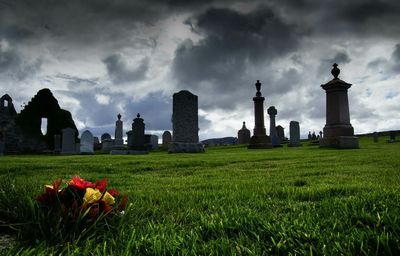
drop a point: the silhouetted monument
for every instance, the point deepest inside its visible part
(185, 124)
(166, 139)
(313, 136)
(259, 139)
(244, 135)
(338, 132)
(309, 136)
(138, 139)
(280, 131)
(272, 112)
(118, 139)
(294, 131)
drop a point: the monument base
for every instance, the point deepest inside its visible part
(128, 152)
(181, 147)
(341, 142)
(260, 142)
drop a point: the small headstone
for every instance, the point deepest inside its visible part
(294, 130)
(272, 112)
(280, 131)
(86, 146)
(376, 137)
(68, 145)
(166, 139)
(309, 136)
(57, 143)
(105, 136)
(154, 141)
(118, 141)
(107, 145)
(244, 135)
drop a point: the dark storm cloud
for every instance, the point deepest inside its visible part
(342, 17)
(14, 67)
(389, 66)
(232, 42)
(119, 71)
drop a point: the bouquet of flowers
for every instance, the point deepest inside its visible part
(80, 202)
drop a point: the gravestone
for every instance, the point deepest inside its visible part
(392, 136)
(313, 136)
(96, 143)
(280, 131)
(154, 141)
(107, 145)
(376, 137)
(338, 131)
(166, 139)
(294, 131)
(309, 136)
(57, 143)
(68, 145)
(138, 139)
(118, 141)
(244, 135)
(105, 136)
(272, 112)
(320, 134)
(259, 140)
(86, 146)
(185, 124)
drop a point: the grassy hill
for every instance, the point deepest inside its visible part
(229, 200)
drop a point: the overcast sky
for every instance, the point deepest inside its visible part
(101, 58)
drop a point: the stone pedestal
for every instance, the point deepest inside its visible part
(272, 112)
(259, 140)
(338, 132)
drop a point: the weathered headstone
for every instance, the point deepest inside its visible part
(107, 145)
(244, 135)
(138, 139)
(294, 130)
(280, 131)
(105, 136)
(118, 141)
(154, 141)
(166, 139)
(313, 136)
(376, 137)
(272, 112)
(338, 131)
(68, 145)
(309, 135)
(86, 146)
(185, 124)
(259, 140)
(57, 143)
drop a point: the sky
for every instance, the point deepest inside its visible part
(104, 57)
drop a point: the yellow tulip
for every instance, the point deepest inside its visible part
(108, 198)
(92, 195)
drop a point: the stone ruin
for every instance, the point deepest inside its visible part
(22, 132)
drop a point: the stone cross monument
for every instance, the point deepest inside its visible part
(259, 139)
(338, 132)
(272, 129)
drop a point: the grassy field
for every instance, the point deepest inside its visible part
(228, 201)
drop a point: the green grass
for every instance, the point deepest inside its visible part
(229, 201)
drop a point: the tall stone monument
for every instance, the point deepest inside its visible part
(259, 139)
(68, 145)
(244, 135)
(338, 131)
(294, 130)
(185, 124)
(118, 139)
(272, 112)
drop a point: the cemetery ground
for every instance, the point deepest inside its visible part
(227, 201)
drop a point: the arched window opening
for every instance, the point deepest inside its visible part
(43, 125)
